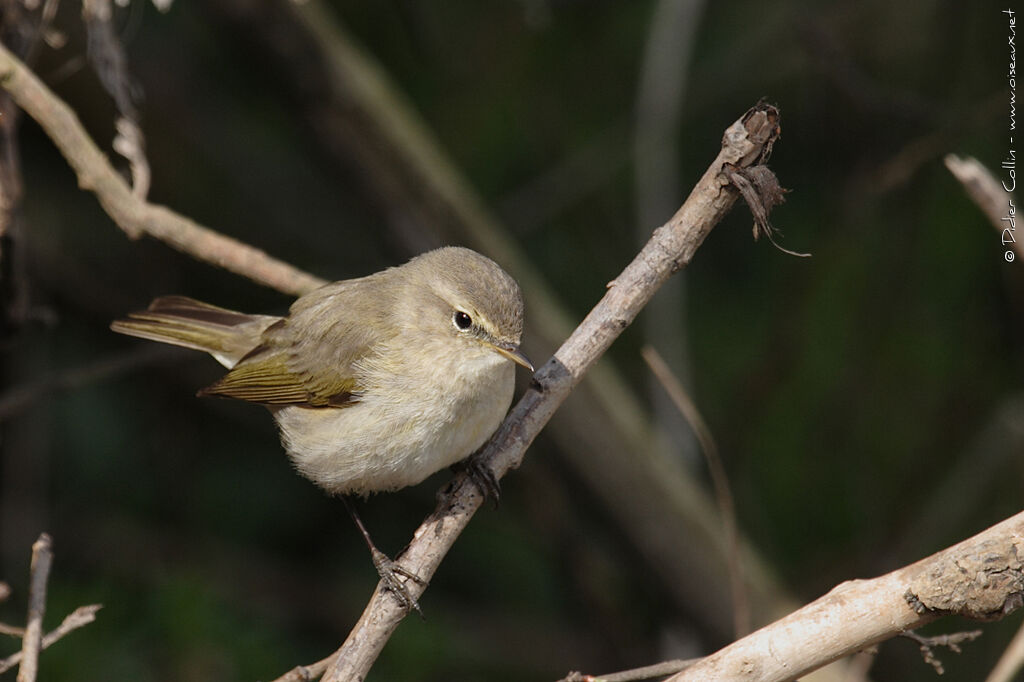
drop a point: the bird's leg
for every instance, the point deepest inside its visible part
(387, 569)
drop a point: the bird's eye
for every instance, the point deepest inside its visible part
(462, 320)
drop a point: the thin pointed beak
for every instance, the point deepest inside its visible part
(512, 352)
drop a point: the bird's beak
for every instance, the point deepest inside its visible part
(512, 352)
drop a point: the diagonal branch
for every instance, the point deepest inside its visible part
(670, 248)
(134, 215)
(78, 618)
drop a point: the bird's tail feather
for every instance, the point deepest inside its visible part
(225, 334)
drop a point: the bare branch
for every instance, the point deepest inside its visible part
(645, 673)
(39, 573)
(12, 631)
(80, 617)
(670, 248)
(990, 196)
(1011, 661)
(134, 215)
(951, 641)
(980, 578)
(111, 66)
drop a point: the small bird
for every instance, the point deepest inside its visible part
(375, 383)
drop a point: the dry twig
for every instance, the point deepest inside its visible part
(80, 617)
(990, 196)
(111, 66)
(31, 643)
(645, 673)
(134, 215)
(1011, 661)
(305, 673)
(951, 641)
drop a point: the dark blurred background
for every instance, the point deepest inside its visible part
(865, 400)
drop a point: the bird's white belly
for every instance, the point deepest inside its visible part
(390, 439)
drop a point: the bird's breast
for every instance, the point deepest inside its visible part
(404, 427)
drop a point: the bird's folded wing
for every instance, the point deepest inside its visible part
(311, 357)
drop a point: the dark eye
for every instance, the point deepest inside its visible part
(462, 320)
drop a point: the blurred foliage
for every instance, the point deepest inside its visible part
(845, 390)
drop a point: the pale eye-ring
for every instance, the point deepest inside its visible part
(462, 320)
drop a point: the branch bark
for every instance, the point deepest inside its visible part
(670, 248)
(980, 578)
(134, 215)
(78, 618)
(989, 195)
(32, 642)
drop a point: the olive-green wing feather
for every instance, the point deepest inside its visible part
(310, 357)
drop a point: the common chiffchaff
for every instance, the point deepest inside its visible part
(375, 383)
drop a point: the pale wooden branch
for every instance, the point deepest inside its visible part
(12, 631)
(1012, 660)
(989, 195)
(647, 672)
(132, 214)
(39, 573)
(980, 578)
(670, 248)
(80, 617)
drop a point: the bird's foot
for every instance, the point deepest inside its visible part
(483, 478)
(389, 572)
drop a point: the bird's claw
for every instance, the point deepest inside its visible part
(484, 479)
(389, 571)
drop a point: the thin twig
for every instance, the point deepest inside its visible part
(671, 248)
(132, 214)
(111, 66)
(39, 573)
(645, 673)
(12, 631)
(994, 200)
(950, 641)
(80, 617)
(305, 673)
(1011, 661)
(719, 479)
